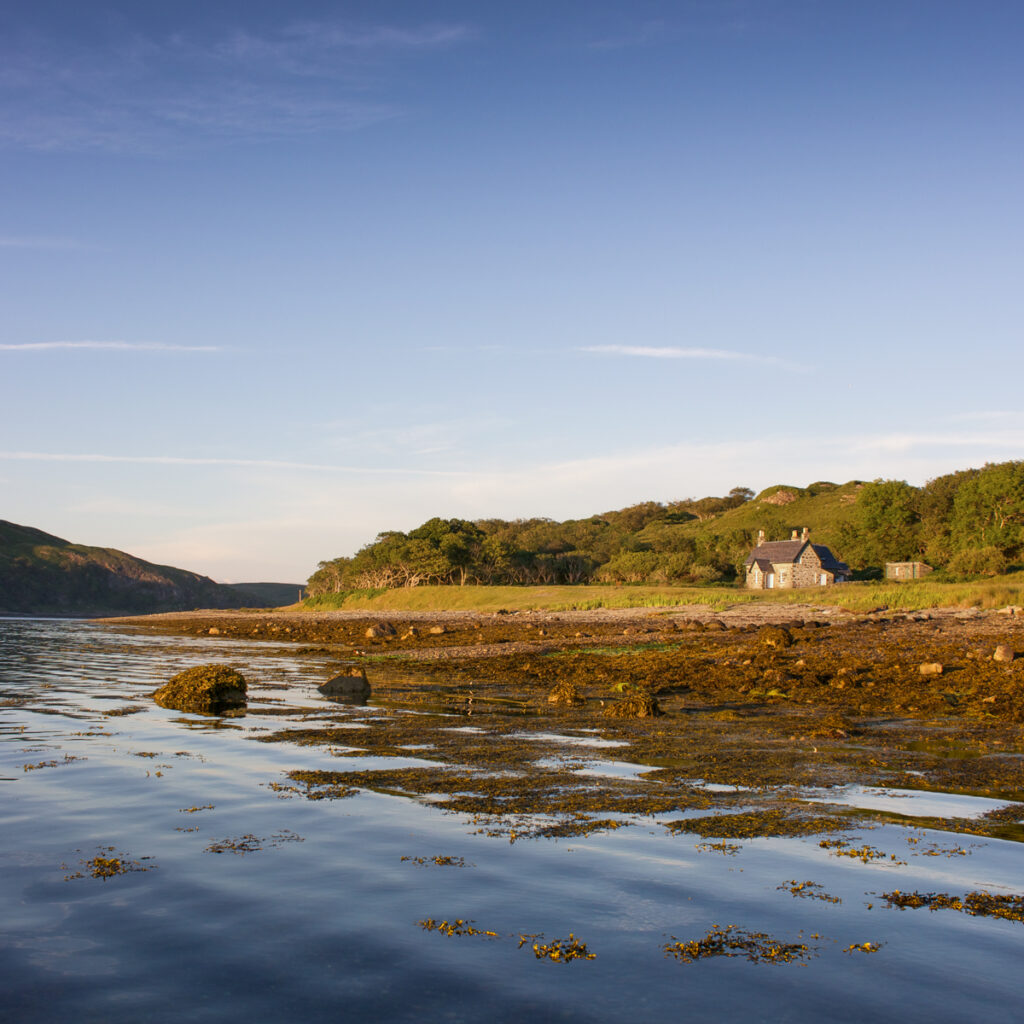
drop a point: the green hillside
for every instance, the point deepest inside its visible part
(45, 575)
(967, 525)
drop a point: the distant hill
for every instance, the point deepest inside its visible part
(269, 595)
(45, 575)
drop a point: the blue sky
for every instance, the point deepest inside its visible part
(276, 277)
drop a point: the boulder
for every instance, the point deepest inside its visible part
(437, 630)
(637, 705)
(380, 629)
(566, 695)
(207, 689)
(1004, 653)
(930, 668)
(776, 637)
(349, 684)
(1011, 609)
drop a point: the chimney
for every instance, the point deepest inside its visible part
(806, 534)
(760, 537)
(795, 535)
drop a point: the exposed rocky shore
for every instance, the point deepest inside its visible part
(774, 702)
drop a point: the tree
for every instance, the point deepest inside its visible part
(970, 562)
(935, 506)
(988, 509)
(888, 519)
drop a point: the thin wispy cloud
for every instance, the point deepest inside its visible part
(641, 35)
(1010, 440)
(183, 460)
(113, 346)
(696, 18)
(297, 47)
(987, 415)
(451, 438)
(575, 487)
(412, 440)
(153, 94)
(672, 352)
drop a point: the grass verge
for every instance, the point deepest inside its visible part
(917, 595)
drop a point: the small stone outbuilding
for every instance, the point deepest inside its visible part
(788, 564)
(906, 570)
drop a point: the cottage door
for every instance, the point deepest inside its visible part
(769, 580)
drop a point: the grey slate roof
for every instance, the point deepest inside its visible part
(828, 560)
(775, 551)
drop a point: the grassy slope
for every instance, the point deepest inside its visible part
(829, 514)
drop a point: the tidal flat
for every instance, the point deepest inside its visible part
(802, 824)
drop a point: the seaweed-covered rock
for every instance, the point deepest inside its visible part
(380, 629)
(566, 695)
(776, 637)
(349, 684)
(637, 705)
(208, 689)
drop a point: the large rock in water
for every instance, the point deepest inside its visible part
(208, 689)
(349, 684)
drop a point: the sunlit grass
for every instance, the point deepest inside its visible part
(552, 598)
(910, 596)
(914, 595)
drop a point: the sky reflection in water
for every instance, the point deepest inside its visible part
(319, 920)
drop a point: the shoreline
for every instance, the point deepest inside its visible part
(751, 613)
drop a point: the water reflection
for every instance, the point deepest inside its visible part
(310, 911)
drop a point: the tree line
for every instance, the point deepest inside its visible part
(966, 523)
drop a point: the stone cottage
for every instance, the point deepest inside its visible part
(786, 564)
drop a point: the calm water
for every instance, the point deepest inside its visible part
(320, 922)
